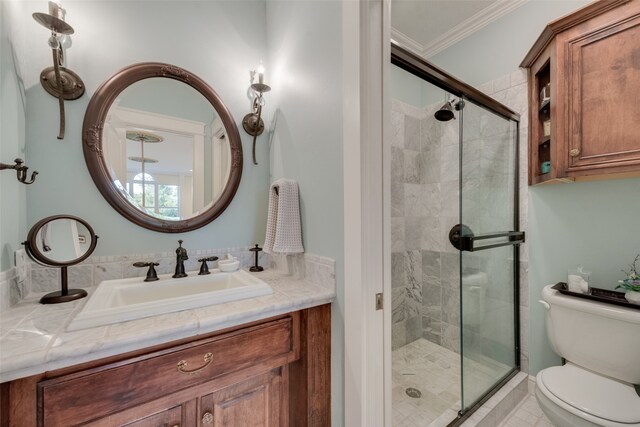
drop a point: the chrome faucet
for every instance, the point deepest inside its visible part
(181, 257)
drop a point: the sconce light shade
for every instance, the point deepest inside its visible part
(252, 123)
(260, 88)
(53, 23)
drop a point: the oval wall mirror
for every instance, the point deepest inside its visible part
(162, 147)
(61, 241)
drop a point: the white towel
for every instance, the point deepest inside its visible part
(284, 233)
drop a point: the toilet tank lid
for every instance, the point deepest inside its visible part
(592, 393)
(624, 314)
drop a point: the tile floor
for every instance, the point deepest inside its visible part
(435, 371)
(527, 414)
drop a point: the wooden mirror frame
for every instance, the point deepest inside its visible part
(93, 125)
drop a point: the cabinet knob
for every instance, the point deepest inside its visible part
(207, 418)
(574, 153)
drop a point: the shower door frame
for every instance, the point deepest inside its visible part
(425, 70)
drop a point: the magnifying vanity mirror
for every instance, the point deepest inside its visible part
(61, 241)
(162, 148)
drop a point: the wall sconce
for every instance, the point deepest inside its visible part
(57, 80)
(252, 122)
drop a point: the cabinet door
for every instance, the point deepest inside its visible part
(603, 56)
(169, 418)
(260, 401)
(165, 412)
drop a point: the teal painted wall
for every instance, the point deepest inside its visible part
(413, 90)
(219, 41)
(596, 224)
(498, 48)
(13, 200)
(305, 107)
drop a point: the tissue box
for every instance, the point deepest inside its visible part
(578, 281)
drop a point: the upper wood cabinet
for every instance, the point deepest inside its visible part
(584, 95)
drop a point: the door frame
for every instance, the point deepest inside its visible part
(366, 27)
(366, 115)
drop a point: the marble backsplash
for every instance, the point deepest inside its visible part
(41, 279)
(10, 288)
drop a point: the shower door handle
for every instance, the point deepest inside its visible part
(462, 238)
(468, 243)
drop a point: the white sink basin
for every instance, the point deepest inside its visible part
(128, 299)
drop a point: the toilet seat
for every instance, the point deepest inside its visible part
(590, 396)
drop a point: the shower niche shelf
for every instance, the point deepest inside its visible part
(583, 89)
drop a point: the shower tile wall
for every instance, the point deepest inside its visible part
(424, 188)
(424, 207)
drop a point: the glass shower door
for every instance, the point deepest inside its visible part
(488, 237)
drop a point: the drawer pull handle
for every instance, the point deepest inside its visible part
(207, 418)
(574, 153)
(182, 365)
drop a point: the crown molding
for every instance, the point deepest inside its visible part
(405, 41)
(461, 31)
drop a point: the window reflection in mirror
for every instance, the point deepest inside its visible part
(181, 164)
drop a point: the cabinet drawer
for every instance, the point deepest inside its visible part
(80, 397)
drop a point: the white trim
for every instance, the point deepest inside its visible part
(354, 351)
(461, 31)
(75, 237)
(220, 157)
(386, 215)
(401, 39)
(159, 122)
(365, 42)
(197, 189)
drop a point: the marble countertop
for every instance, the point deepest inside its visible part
(33, 337)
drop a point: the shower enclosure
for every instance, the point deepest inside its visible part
(455, 244)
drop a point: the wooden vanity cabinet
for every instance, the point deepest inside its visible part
(586, 122)
(275, 372)
(258, 401)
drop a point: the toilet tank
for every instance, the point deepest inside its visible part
(604, 338)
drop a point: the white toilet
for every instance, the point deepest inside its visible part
(601, 344)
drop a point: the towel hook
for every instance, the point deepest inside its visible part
(21, 171)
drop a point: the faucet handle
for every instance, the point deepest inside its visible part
(204, 268)
(152, 276)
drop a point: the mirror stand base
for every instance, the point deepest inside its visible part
(58, 297)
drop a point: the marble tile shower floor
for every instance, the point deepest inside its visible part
(435, 372)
